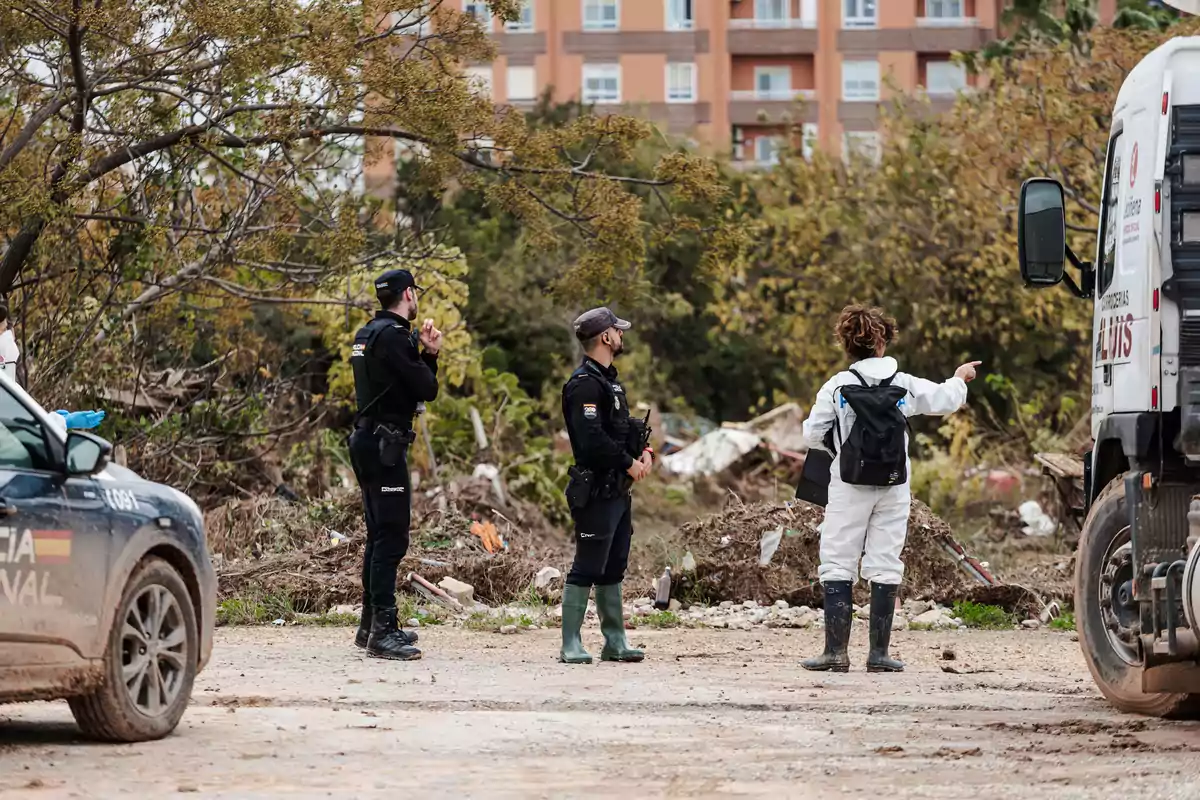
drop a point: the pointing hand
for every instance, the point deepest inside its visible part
(967, 371)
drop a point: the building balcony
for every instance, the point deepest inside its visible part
(774, 95)
(947, 22)
(749, 108)
(758, 24)
(772, 37)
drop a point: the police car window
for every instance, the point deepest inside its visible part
(22, 438)
(1111, 215)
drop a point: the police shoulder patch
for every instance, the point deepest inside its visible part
(589, 410)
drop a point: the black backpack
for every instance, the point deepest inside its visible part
(875, 453)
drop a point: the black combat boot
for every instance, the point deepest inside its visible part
(364, 631)
(387, 640)
(839, 610)
(883, 609)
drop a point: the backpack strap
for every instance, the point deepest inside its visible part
(861, 379)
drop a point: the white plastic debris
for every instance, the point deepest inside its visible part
(688, 564)
(336, 538)
(545, 576)
(768, 544)
(278, 621)
(712, 453)
(1036, 521)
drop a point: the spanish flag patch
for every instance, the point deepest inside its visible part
(52, 547)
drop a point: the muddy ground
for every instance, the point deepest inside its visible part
(298, 712)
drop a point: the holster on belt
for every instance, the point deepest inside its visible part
(392, 443)
(580, 489)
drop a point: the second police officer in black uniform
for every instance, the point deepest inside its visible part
(611, 454)
(395, 374)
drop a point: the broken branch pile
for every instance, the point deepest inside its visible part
(728, 550)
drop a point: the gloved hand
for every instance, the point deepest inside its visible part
(81, 420)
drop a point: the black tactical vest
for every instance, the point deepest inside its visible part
(372, 383)
(614, 414)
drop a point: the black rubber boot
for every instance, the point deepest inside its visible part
(574, 609)
(839, 611)
(883, 609)
(611, 609)
(364, 631)
(387, 640)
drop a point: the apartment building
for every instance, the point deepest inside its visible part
(734, 75)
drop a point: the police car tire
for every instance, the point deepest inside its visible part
(108, 714)
(1118, 680)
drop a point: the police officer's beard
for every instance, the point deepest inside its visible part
(616, 351)
(412, 312)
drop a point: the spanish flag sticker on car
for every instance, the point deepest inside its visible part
(52, 547)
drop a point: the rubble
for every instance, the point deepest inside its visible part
(464, 593)
(545, 577)
(712, 453)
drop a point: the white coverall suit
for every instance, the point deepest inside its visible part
(870, 517)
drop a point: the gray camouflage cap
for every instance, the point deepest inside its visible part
(597, 321)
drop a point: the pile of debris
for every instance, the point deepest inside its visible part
(767, 553)
(312, 554)
(778, 435)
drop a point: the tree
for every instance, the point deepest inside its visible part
(181, 188)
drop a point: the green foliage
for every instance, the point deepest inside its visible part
(977, 615)
(659, 619)
(1064, 623)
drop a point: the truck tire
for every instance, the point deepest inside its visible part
(150, 662)
(1103, 545)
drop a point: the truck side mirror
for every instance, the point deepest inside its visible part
(1042, 233)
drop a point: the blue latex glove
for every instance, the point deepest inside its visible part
(81, 420)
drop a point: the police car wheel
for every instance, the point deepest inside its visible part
(150, 663)
(1107, 625)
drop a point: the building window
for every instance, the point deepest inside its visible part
(773, 83)
(808, 139)
(416, 21)
(860, 80)
(944, 9)
(861, 144)
(771, 12)
(945, 77)
(522, 83)
(860, 14)
(808, 13)
(681, 15)
(479, 79)
(766, 150)
(601, 15)
(681, 83)
(479, 10)
(601, 83)
(524, 22)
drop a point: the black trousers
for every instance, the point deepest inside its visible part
(603, 532)
(387, 508)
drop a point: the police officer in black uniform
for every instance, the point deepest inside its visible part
(610, 457)
(395, 374)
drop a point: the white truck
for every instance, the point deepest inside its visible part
(1137, 579)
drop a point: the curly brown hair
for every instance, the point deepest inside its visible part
(862, 330)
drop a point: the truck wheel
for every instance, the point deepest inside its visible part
(150, 662)
(1106, 614)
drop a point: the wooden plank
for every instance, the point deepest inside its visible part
(1061, 465)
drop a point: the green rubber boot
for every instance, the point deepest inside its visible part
(612, 625)
(574, 609)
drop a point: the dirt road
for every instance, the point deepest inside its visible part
(300, 713)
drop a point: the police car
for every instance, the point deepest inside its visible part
(107, 592)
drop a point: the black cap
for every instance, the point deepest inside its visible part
(597, 321)
(395, 281)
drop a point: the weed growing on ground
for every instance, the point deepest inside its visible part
(985, 617)
(487, 622)
(254, 610)
(1064, 623)
(659, 619)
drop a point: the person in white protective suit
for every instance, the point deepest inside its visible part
(9, 352)
(870, 521)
